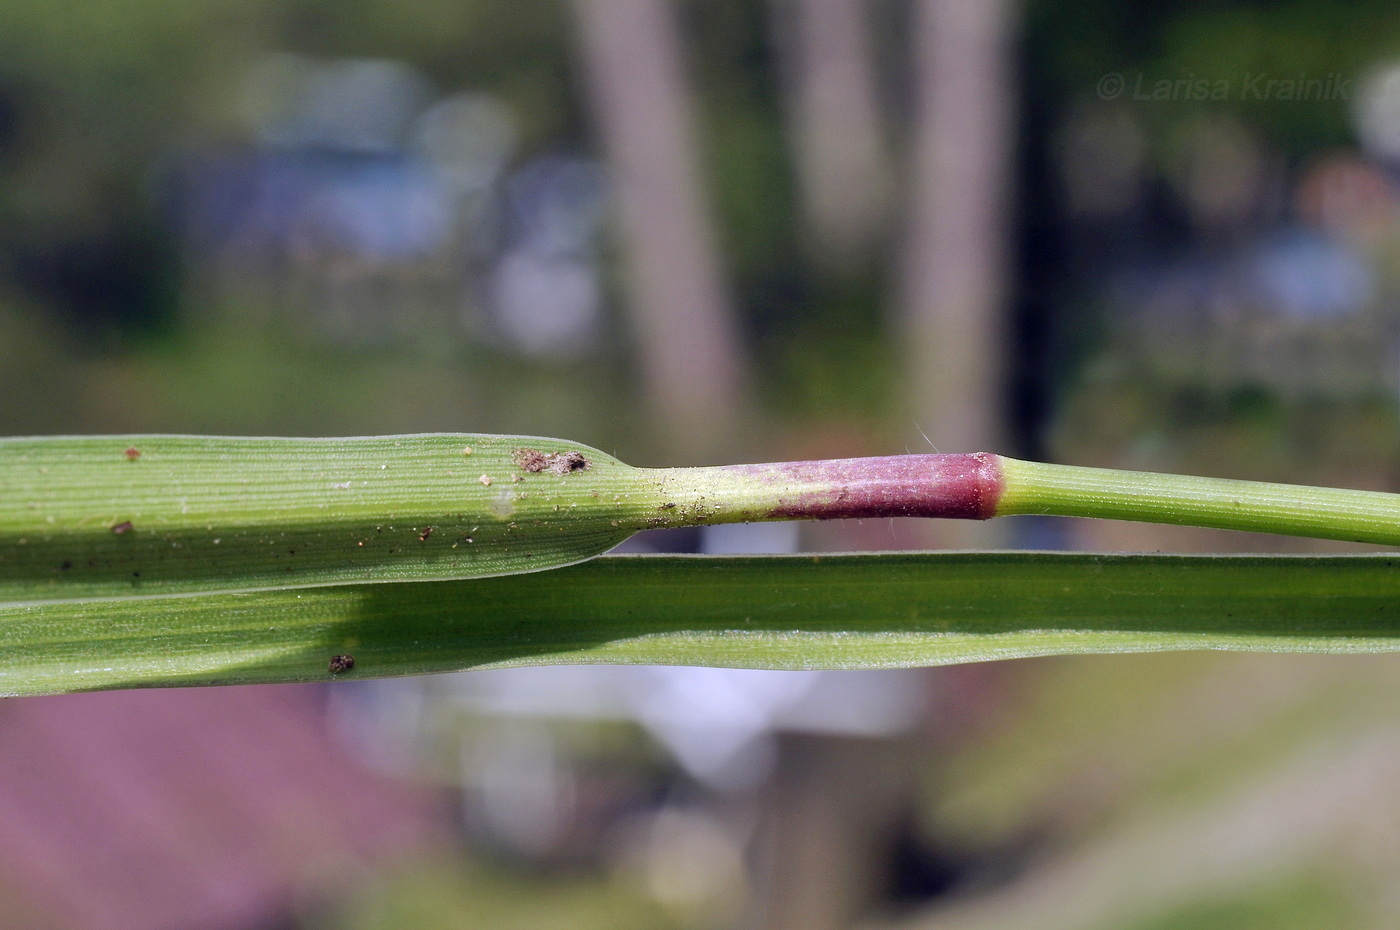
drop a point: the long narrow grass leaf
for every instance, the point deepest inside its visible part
(755, 612)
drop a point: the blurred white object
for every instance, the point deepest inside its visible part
(1377, 111)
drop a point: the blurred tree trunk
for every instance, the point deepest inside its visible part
(834, 116)
(691, 354)
(954, 277)
(826, 828)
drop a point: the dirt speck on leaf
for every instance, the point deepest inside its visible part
(531, 460)
(341, 663)
(556, 463)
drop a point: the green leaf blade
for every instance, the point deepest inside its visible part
(753, 612)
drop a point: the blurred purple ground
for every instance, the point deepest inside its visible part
(189, 808)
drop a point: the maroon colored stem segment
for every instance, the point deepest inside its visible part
(966, 486)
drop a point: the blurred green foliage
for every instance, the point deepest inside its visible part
(443, 894)
(1295, 903)
(98, 98)
(1069, 50)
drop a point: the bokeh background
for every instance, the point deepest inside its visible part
(1161, 236)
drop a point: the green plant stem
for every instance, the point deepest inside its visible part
(1262, 507)
(983, 485)
(145, 516)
